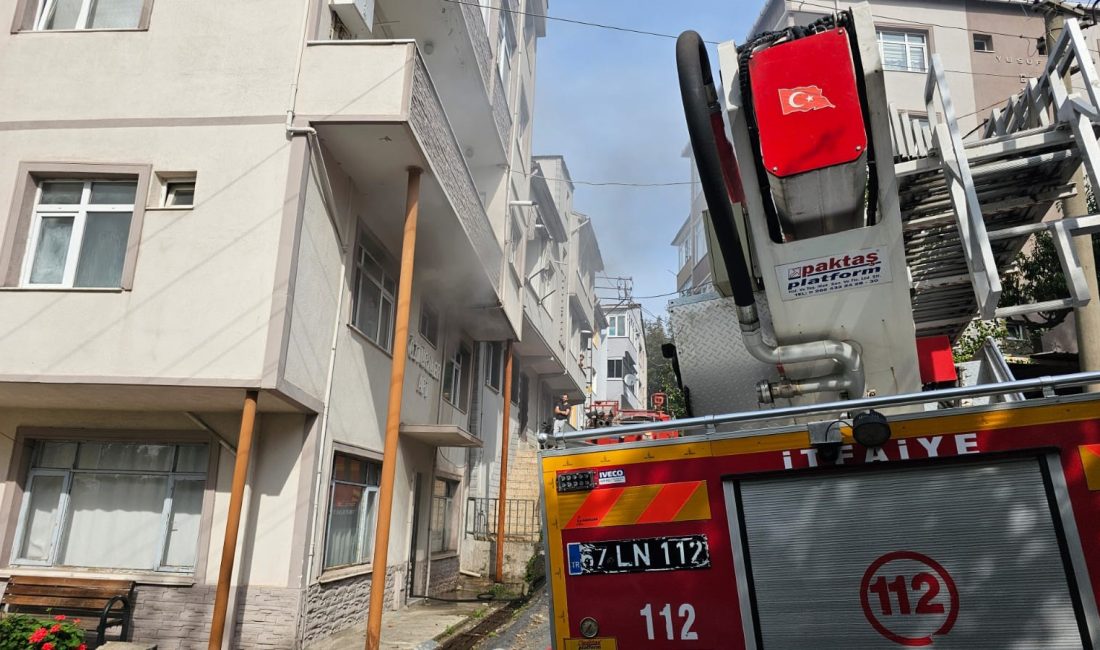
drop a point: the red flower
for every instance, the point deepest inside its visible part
(54, 628)
(38, 635)
(76, 621)
(59, 617)
(47, 646)
(82, 647)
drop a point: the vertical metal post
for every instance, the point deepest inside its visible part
(393, 413)
(505, 434)
(1086, 318)
(233, 520)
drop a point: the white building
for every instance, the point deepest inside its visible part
(620, 358)
(215, 212)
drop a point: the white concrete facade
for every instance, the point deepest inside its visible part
(621, 368)
(279, 275)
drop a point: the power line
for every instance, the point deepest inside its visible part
(600, 183)
(571, 21)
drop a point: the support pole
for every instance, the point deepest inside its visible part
(505, 434)
(393, 413)
(233, 521)
(1086, 318)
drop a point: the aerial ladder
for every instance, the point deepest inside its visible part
(833, 487)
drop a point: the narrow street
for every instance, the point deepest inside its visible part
(529, 630)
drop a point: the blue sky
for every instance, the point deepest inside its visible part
(610, 103)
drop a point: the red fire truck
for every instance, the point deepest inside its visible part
(819, 498)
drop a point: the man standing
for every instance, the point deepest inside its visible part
(561, 414)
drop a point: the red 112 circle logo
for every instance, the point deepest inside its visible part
(909, 598)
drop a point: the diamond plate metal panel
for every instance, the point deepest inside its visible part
(718, 371)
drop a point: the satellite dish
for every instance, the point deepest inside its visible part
(630, 380)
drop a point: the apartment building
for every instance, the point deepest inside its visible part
(620, 360)
(211, 222)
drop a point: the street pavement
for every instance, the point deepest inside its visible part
(528, 630)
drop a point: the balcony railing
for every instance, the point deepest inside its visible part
(521, 519)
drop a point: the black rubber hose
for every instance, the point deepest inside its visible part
(700, 104)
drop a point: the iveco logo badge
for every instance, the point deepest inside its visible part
(611, 476)
(802, 100)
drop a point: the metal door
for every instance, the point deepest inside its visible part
(959, 556)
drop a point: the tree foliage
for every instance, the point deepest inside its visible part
(662, 378)
(1036, 276)
(974, 336)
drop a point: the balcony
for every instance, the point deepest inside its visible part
(377, 111)
(458, 53)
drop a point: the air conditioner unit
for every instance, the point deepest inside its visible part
(357, 15)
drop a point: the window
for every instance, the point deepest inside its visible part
(983, 43)
(179, 193)
(616, 325)
(112, 505)
(517, 244)
(904, 51)
(614, 368)
(1015, 331)
(79, 233)
(372, 311)
(352, 505)
(429, 324)
(520, 386)
(486, 11)
(456, 378)
(700, 238)
(506, 48)
(88, 14)
(494, 364)
(685, 253)
(442, 536)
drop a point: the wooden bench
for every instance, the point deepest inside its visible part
(101, 604)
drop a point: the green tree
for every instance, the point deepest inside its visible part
(662, 379)
(973, 338)
(1036, 276)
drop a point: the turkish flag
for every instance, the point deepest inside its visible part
(802, 100)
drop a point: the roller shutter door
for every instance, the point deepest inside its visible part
(950, 557)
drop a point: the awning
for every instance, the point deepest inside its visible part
(440, 435)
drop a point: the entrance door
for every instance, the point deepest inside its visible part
(956, 556)
(418, 557)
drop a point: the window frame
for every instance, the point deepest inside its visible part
(621, 366)
(14, 247)
(22, 471)
(613, 326)
(364, 242)
(448, 538)
(78, 212)
(494, 365)
(506, 49)
(371, 524)
(906, 33)
(456, 371)
(977, 37)
(27, 15)
(429, 319)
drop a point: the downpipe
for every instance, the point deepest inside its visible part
(850, 378)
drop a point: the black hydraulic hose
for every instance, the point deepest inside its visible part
(700, 106)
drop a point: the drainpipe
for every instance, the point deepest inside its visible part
(505, 430)
(233, 521)
(393, 413)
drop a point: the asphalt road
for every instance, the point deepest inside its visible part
(528, 630)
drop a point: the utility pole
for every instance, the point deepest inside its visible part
(1087, 318)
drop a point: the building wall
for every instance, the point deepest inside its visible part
(220, 254)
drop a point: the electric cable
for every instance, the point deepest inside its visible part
(571, 21)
